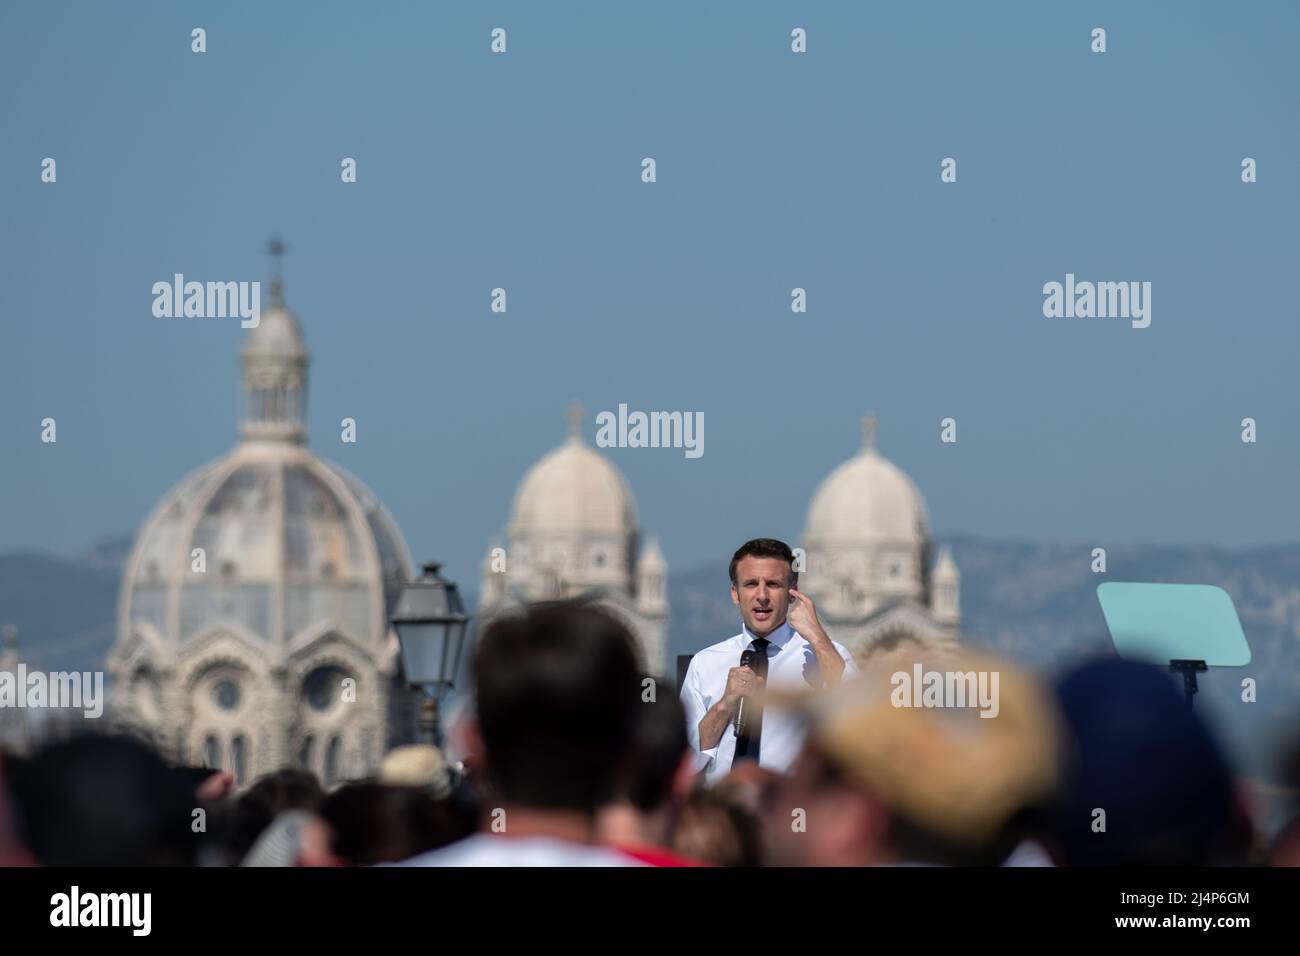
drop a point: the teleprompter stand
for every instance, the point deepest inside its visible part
(1189, 670)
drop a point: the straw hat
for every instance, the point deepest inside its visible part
(417, 765)
(954, 741)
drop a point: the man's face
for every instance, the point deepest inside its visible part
(762, 592)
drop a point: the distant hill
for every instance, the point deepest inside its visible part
(1034, 603)
(64, 607)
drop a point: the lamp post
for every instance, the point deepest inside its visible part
(430, 621)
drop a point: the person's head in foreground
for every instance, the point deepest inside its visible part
(12, 851)
(1284, 849)
(654, 784)
(931, 756)
(716, 826)
(383, 823)
(104, 801)
(1147, 784)
(270, 795)
(557, 689)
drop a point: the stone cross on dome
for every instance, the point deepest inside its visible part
(276, 248)
(575, 421)
(869, 424)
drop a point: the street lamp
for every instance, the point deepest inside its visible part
(430, 622)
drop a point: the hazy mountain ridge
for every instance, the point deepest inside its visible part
(65, 608)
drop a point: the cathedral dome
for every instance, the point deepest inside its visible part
(573, 533)
(287, 542)
(868, 500)
(253, 620)
(868, 557)
(270, 539)
(573, 489)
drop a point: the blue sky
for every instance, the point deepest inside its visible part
(774, 171)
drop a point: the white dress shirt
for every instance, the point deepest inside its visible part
(791, 665)
(495, 849)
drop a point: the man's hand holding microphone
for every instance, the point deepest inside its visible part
(742, 682)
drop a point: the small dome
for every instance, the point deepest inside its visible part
(573, 489)
(652, 559)
(945, 568)
(867, 500)
(277, 335)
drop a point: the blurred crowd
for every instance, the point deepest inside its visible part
(573, 758)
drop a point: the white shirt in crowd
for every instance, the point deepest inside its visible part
(791, 665)
(488, 849)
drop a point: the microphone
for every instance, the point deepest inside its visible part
(746, 660)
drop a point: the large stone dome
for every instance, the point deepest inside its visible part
(573, 489)
(867, 540)
(573, 533)
(867, 500)
(286, 542)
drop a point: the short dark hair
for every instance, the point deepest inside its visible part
(557, 689)
(661, 743)
(271, 794)
(763, 548)
(103, 801)
(377, 823)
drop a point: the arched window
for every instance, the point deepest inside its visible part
(332, 761)
(306, 752)
(212, 753)
(323, 688)
(239, 757)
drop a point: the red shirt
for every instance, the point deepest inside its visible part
(657, 856)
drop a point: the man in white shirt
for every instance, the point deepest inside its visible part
(791, 651)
